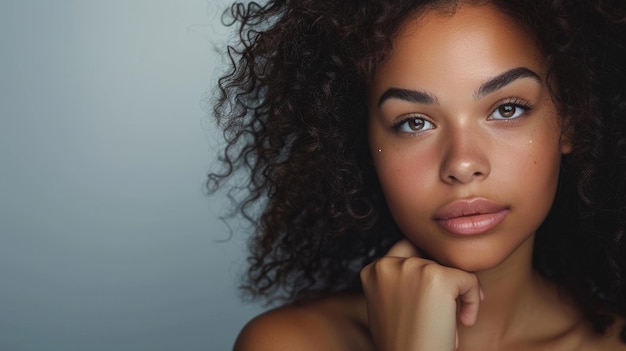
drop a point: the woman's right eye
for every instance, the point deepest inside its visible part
(414, 124)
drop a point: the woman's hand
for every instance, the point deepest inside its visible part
(413, 303)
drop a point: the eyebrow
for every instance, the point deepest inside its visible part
(407, 95)
(486, 88)
(504, 79)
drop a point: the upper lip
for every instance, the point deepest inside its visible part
(468, 207)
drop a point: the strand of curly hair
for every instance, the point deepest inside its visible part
(294, 117)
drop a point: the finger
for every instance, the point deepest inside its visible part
(403, 248)
(470, 296)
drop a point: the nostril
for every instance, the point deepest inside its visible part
(463, 168)
(455, 179)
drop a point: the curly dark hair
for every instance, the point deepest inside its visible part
(293, 109)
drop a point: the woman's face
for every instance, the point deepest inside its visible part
(464, 136)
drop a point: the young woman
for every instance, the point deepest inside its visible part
(434, 175)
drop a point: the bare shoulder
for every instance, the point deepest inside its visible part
(330, 324)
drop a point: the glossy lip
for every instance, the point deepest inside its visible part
(471, 216)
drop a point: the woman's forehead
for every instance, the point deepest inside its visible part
(474, 43)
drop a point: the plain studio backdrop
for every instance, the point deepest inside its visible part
(107, 238)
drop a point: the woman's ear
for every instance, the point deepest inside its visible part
(565, 141)
(566, 145)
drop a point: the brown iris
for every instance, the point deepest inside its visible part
(506, 111)
(416, 124)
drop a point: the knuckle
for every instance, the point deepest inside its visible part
(365, 273)
(430, 270)
(432, 274)
(385, 266)
(378, 269)
(412, 265)
(474, 279)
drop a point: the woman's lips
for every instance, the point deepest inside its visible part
(471, 216)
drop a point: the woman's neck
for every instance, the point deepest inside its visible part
(519, 306)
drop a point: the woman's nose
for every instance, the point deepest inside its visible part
(464, 158)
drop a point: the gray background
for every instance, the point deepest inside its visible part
(107, 240)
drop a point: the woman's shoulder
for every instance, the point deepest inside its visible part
(334, 323)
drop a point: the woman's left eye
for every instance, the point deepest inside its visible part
(509, 111)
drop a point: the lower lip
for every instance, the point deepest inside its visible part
(473, 225)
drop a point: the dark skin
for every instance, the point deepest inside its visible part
(339, 323)
(466, 167)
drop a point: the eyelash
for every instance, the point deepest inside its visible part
(514, 102)
(398, 125)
